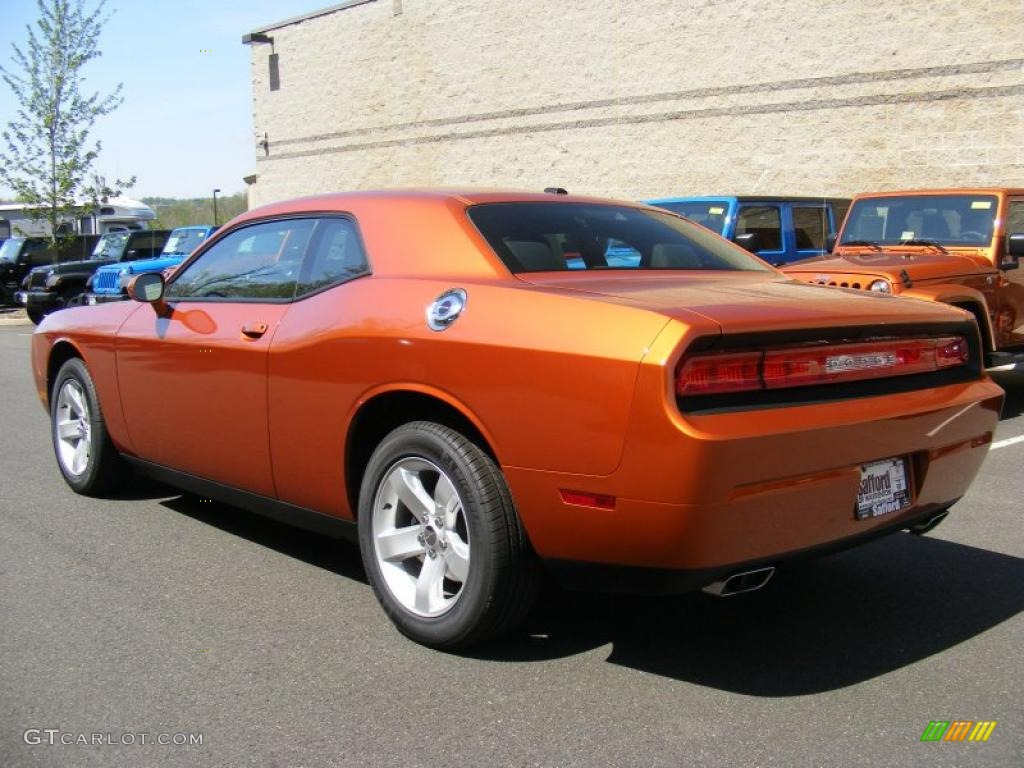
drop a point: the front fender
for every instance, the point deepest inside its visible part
(961, 296)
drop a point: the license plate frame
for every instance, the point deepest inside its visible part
(884, 489)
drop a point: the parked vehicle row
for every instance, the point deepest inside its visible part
(109, 281)
(486, 387)
(56, 286)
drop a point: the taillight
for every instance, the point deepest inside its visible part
(778, 368)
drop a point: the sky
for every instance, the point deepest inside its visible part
(185, 127)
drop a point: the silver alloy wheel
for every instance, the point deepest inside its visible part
(73, 428)
(421, 537)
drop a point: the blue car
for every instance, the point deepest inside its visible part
(108, 283)
(778, 229)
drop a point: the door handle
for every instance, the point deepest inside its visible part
(254, 330)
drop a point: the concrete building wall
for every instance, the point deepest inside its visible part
(643, 98)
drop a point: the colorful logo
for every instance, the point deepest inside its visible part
(958, 730)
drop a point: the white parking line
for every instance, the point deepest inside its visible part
(1007, 441)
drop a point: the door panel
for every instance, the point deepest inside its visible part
(194, 389)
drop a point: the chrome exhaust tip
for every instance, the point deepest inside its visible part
(919, 529)
(743, 581)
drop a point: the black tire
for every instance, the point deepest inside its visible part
(503, 573)
(103, 470)
(35, 314)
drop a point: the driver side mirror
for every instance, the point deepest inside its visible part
(748, 240)
(1014, 252)
(830, 242)
(147, 288)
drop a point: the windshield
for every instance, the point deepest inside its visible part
(110, 245)
(546, 237)
(9, 250)
(947, 220)
(184, 241)
(710, 214)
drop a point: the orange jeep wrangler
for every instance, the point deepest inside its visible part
(958, 246)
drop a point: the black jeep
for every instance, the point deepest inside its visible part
(18, 255)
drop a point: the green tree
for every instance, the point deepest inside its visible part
(49, 157)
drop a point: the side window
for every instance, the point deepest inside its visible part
(763, 220)
(1015, 218)
(338, 256)
(810, 227)
(261, 261)
(38, 253)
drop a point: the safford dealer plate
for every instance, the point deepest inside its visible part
(883, 488)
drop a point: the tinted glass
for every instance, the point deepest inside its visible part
(110, 245)
(944, 219)
(9, 250)
(338, 256)
(810, 227)
(543, 237)
(1015, 218)
(184, 241)
(261, 261)
(707, 214)
(763, 220)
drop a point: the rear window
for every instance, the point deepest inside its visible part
(556, 237)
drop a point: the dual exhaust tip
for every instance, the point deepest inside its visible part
(742, 581)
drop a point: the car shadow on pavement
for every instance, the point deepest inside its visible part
(336, 555)
(819, 626)
(1013, 383)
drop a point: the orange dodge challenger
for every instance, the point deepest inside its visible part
(475, 388)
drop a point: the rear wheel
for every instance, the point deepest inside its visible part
(85, 454)
(440, 538)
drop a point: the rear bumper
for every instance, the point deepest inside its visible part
(707, 496)
(625, 579)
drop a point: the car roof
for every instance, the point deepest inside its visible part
(436, 239)
(343, 201)
(745, 199)
(947, 191)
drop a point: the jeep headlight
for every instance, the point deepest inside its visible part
(52, 278)
(123, 278)
(880, 286)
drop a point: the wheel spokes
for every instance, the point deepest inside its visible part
(76, 401)
(408, 486)
(80, 459)
(69, 429)
(400, 544)
(429, 584)
(456, 558)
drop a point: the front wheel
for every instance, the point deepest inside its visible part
(443, 547)
(85, 454)
(35, 314)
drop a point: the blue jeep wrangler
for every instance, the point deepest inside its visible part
(108, 283)
(778, 229)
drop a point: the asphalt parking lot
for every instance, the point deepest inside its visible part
(157, 613)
